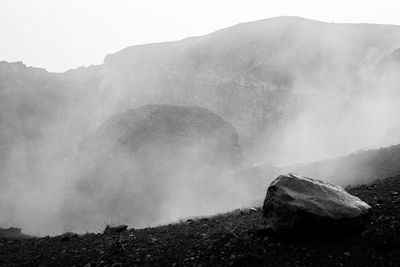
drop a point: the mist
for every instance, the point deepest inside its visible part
(284, 90)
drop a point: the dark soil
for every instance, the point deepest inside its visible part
(234, 239)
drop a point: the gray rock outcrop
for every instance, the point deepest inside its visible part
(305, 205)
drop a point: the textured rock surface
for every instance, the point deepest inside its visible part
(168, 124)
(232, 239)
(296, 203)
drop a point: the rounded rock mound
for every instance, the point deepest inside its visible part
(154, 164)
(178, 126)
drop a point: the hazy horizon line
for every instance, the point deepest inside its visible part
(195, 36)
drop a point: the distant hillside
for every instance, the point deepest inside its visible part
(358, 168)
(361, 167)
(259, 76)
(392, 136)
(31, 100)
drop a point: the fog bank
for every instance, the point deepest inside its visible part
(291, 90)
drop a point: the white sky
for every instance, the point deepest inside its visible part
(63, 34)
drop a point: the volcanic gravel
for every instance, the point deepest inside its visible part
(237, 238)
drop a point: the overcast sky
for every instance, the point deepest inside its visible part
(63, 34)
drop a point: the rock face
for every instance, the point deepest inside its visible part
(178, 127)
(305, 205)
(152, 164)
(115, 229)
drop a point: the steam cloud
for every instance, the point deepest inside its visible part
(295, 90)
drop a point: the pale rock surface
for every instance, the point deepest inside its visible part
(296, 203)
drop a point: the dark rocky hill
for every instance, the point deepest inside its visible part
(184, 125)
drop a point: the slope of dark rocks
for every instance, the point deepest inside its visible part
(233, 239)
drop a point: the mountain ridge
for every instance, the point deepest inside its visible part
(281, 60)
(240, 24)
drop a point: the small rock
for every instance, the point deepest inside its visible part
(347, 254)
(116, 229)
(68, 236)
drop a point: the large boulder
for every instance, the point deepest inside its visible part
(304, 205)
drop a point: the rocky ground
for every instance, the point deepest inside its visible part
(234, 239)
